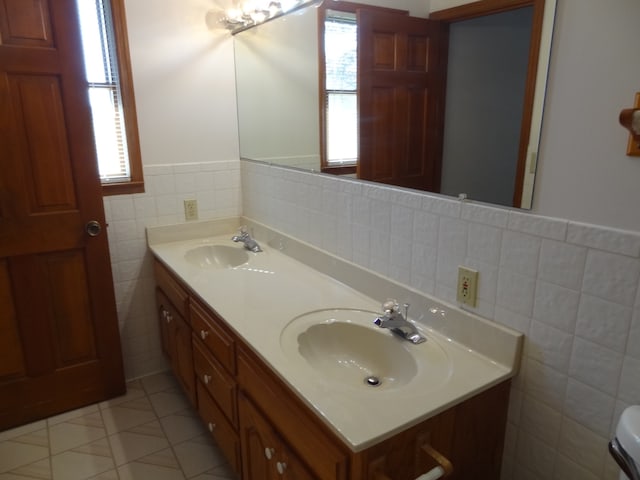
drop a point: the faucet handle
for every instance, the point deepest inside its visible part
(406, 311)
(390, 306)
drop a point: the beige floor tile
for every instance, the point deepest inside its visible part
(39, 438)
(138, 471)
(158, 382)
(11, 476)
(79, 466)
(141, 403)
(153, 429)
(127, 446)
(118, 418)
(223, 471)
(134, 391)
(126, 438)
(40, 470)
(100, 448)
(163, 458)
(22, 430)
(182, 426)
(168, 402)
(108, 475)
(65, 436)
(14, 455)
(198, 456)
(65, 417)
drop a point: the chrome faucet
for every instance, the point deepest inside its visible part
(244, 237)
(398, 323)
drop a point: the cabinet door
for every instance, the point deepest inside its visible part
(176, 343)
(162, 304)
(264, 453)
(183, 361)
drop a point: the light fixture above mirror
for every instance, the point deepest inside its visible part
(248, 13)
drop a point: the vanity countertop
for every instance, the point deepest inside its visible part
(261, 297)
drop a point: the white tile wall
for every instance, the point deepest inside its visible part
(572, 288)
(216, 186)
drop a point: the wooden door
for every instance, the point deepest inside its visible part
(59, 339)
(401, 81)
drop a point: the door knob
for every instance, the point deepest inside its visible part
(94, 228)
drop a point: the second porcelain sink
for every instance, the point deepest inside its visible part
(217, 256)
(344, 346)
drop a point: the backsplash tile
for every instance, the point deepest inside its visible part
(572, 288)
(611, 240)
(612, 277)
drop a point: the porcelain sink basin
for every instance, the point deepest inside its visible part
(217, 256)
(344, 346)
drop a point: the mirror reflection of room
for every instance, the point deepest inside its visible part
(482, 145)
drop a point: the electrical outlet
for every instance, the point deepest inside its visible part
(190, 209)
(467, 286)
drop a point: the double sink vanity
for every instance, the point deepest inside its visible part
(285, 355)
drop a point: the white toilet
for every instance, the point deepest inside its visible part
(625, 447)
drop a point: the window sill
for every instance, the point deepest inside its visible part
(340, 170)
(123, 188)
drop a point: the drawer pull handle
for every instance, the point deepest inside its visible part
(268, 453)
(281, 467)
(169, 317)
(206, 378)
(211, 426)
(204, 334)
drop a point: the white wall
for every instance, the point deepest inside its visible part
(583, 172)
(184, 82)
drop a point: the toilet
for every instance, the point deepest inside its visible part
(625, 446)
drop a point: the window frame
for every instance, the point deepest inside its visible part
(347, 165)
(135, 184)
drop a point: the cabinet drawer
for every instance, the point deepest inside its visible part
(215, 380)
(221, 430)
(210, 330)
(171, 288)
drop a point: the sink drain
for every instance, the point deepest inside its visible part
(372, 381)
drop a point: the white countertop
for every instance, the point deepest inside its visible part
(258, 300)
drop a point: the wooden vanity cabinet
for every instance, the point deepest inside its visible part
(267, 432)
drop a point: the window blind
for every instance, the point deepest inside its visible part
(103, 85)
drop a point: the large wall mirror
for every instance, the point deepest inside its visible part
(483, 133)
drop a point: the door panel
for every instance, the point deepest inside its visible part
(400, 99)
(25, 22)
(11, 358)
(62, 344)
(38, 112)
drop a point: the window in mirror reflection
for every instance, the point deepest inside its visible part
(341, 100)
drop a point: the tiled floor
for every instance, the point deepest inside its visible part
(151, 433)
